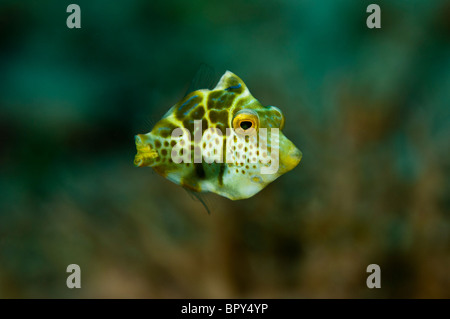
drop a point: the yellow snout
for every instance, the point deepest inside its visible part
(290, 157)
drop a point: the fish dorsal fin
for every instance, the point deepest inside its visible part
(232, 83)
(204, 78)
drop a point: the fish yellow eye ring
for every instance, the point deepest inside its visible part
(246, 122)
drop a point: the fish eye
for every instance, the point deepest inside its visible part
(245, 125)
(246, 122)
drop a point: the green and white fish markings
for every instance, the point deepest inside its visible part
(231, 153)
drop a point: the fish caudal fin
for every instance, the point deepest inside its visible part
(145, 154)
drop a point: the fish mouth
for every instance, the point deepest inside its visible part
(294, 157)
(145, 154)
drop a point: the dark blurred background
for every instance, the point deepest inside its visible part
(369, 108)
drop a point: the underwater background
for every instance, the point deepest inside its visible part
(369, 109)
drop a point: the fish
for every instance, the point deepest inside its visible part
(219, 140)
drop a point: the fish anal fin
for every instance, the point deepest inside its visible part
(199, 197)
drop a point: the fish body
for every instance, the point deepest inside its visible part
(221, 140)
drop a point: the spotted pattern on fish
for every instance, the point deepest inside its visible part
(237, 178)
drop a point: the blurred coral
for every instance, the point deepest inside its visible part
(368, 108)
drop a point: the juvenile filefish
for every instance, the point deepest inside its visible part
(221, 140)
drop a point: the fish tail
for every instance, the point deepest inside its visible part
(145, 154)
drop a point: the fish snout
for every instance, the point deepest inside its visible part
(295, 155)
(292, 158)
